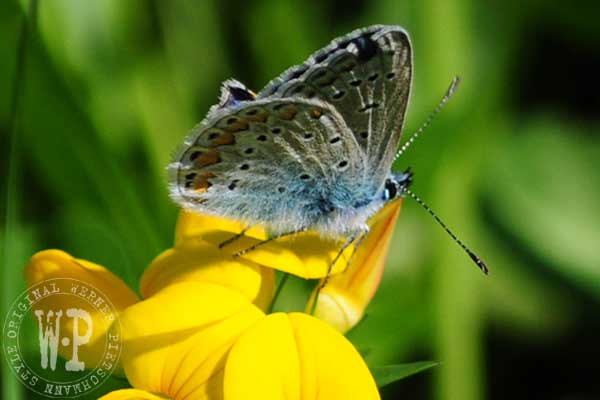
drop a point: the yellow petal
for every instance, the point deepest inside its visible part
(48, 264)
(305, 254)
(196, 260)
(296, 357)
(176, 342)
(343, 301)
(90, 280)
(194, 225)
(131, 394)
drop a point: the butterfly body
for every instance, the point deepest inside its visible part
(313, 149)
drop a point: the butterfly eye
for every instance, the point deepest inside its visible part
(391, 75)
(342, 165)
(373, 77)
(390, 190)
(335, 140)
(364, 134)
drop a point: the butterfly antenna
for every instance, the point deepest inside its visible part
(430, 118)
(473, 256)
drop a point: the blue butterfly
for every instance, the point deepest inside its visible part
(313, 150)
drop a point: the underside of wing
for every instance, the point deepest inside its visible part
(282, 162)
(233, 93)
(366, 75)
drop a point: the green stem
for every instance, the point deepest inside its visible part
(12, 388)
(282, 282)
(314, 304)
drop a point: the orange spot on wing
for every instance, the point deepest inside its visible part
(288, 113)
(238, 125)
(258, 116)
(225, 138)
(202, 183)
(315, 113)
(209, 158)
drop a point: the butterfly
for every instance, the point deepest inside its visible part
(313, 150)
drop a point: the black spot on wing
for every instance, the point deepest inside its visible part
(367, 48)
(240, 94)
(325, 206)
(298, 72)
(369, 106)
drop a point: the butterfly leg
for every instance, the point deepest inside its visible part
(361, 237)
(241, 253)
(234, 237)
(357, 239)
(353, 239)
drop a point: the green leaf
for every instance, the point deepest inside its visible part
(391, 373)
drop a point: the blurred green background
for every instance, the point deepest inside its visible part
(512, 164)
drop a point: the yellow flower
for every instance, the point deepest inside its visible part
(296, 356)
(190, 260)
(56, 264)
(201, 331)
(343, 300)
(131, 394)
(197, 340)
(306, 254)
(197, 260)
(195, 257)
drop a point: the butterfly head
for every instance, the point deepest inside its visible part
(396, 185)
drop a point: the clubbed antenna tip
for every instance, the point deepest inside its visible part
(482, 266)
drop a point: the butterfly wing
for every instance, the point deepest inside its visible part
(283, 162)
(233, 92)
(366, 75)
